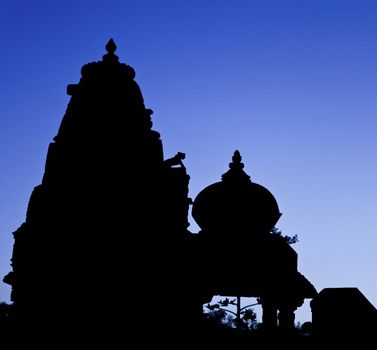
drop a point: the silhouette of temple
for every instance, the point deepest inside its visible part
(343, 313)
(106, 232)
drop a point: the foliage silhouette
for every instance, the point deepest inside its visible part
(243, 318)
(288, 239)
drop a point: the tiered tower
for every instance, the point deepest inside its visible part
(104, 229)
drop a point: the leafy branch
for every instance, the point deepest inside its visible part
(243, 317)
(288, 239)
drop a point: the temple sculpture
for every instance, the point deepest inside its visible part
(106, 234)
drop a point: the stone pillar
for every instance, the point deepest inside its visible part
(286, 318)
(269, 317)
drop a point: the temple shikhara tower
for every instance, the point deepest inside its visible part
(106, 232)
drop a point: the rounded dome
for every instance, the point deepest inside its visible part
(236, 203)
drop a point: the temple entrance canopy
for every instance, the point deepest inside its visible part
(237, 217)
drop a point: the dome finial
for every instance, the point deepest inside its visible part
(235, 172)
(236, 161)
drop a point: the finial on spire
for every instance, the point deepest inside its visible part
(110, 46)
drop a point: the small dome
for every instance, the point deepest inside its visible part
(236, 203)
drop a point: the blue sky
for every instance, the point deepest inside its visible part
(291, 84)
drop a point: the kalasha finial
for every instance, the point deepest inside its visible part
(110, 46)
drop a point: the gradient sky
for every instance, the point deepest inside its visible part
(291, 84)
